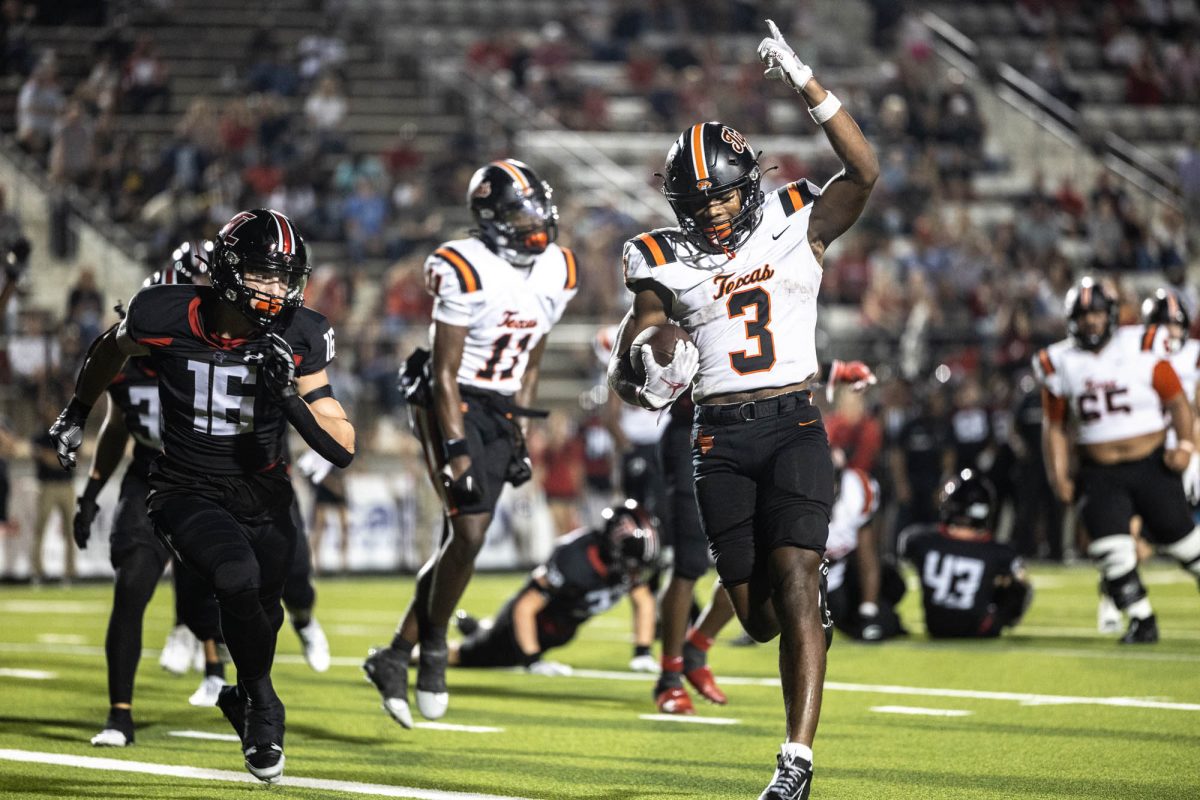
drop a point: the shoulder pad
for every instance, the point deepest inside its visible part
(655, 248)
(467, 275)
(797, 195)
(572, 278)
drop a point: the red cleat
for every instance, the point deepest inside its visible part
(674, 700)
(702, 681)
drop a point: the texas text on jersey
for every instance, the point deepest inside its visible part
(580, 584)
(1113, 393)
(507, 309)
(727, 301)
(135, 392)
(957, 579)
(217, 418)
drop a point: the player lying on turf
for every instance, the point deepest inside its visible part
(588, 573)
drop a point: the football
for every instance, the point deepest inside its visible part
(662, 339)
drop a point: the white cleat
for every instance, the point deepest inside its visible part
(110, 737)
(432, 705)
(398, 708)
(209, 689)
(647, 664)
(316, 646)
(267, 770)
(178, 651)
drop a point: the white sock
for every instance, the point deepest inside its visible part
(1141, 609)
(797, 750)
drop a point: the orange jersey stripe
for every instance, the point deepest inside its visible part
(655, 250)
(794, 194)
(1053, 407)
(466, 275)
(698, 163)
(572, 275)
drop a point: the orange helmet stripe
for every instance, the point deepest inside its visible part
(699, 164)
(516, 174)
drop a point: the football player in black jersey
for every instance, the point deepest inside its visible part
(236, 362)
(588, 572)
(970, 585)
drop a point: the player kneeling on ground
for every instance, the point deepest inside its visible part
(970, 585)
(589, 571)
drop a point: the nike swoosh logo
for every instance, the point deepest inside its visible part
(806, 424)
(777, 235)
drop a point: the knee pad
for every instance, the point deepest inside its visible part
(1125, 590)
(1115, 556)
(1187, 551)
(236, 585)
(138, 572)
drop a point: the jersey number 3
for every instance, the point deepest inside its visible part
(738, 304)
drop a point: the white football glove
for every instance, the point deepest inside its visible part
(549, 669)
(644, 664)
(782, 62)
(1191, 479)
(663, 385)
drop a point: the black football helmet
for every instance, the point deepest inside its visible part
(513, 210)
(969, 501)
(709, 160)
(632, 536)
(260, 241)
(1164, 308)
(1091, 295)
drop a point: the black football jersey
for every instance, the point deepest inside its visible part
(135, 393)
(581, 584)
(218, 418)
(958, 578)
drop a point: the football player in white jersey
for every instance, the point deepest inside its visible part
(1168, 317)
(741, 274)
(496, 294)
(1104, 393)
(863, 589)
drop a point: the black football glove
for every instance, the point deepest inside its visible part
(520, 466)
(279, 367)
(67, 433)
(85, 515)
(465, 490)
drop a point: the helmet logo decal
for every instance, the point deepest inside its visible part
(240, 219)
(735, 140)
(704, 185)
(484, 189)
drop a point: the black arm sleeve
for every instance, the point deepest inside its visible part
(302, 419)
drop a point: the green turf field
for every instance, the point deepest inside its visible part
(1053, 711)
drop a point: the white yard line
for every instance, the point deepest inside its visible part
(447, 726)
(196, 773)
(208, 735)
(690, 718)
(921, 712)
(28, 674)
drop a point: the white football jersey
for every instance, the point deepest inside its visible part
(506, 310)
(1110, 393)
(1185, 360)
(752, 315)
(857, 502)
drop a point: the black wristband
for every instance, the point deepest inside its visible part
(641, 650)
(77, 409)
(317, 393)
(528, 659)
(92, 490)
(456, 448)
(302, 419)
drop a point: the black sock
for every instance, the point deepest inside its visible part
(216, 668)
(301, 618)
(402, 645)
(434, 634)
(260, 692)
(120, 719)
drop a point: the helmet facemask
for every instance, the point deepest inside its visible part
(727, 235)
(1089, 296)
(261, 243)
(521, 230)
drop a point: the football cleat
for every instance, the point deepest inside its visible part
(792, 780)
(1141, 631)
(209, 690)
(466, 624)
(232, 703)
(646, 663)
(264, 741)
(700, 676)
(432, 696)
(674, 700)
(179, 650)
(316, 646)
(387, 669)
(111, 737)
(1108, 616)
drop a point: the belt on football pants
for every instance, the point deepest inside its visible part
(726, 413)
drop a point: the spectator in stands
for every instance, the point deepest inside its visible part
(16, 53)
(325, 110)
(145, 87)
(855, 431)
(100, 92)
(72, 151)
(1145, 83)
(320, 53)
(364, 215)
(561, 460)
(270, 73)
(971, 434)
(38, 106)
(55, 493)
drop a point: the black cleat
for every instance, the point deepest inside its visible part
(792, 781)
(466, 624)
(263, 742)
(432, 695)
(232, 703)
(1141, 631)
(388, 670)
